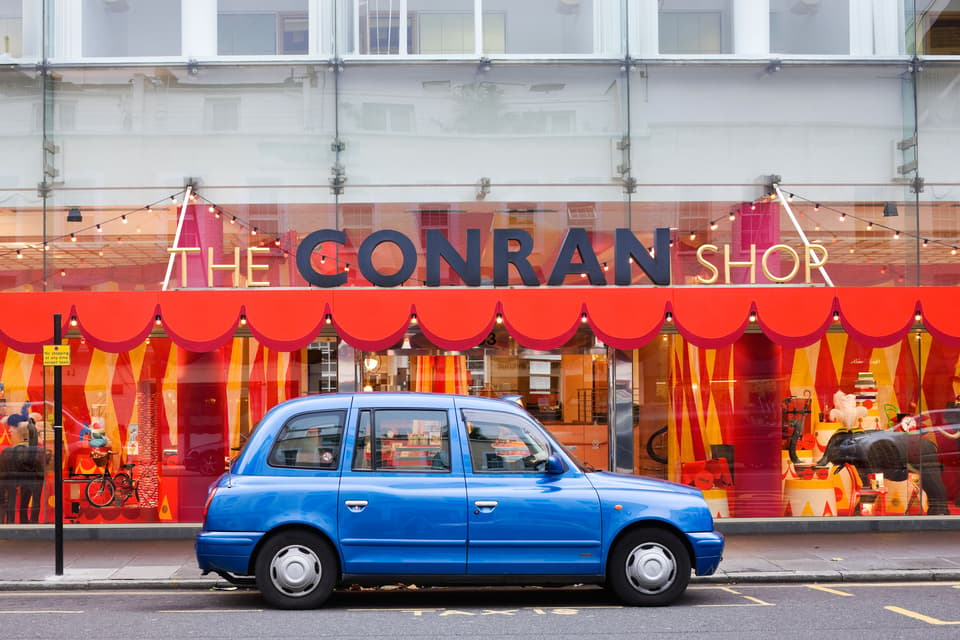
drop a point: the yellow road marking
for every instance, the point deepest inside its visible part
(835, 592)
(920, 616)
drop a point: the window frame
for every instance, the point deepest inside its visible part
(276, 459)
(367, 440)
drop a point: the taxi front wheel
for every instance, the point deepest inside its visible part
(649, 567)
(296, 570)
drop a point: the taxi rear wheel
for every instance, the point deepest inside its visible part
(296, 570)
(649, 567)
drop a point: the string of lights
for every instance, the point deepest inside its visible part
(220, 211)
(842, 216)
(98, 227)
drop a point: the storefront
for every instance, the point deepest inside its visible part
(677, 234)
(736, 389)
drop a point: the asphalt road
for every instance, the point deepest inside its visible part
(868, 611)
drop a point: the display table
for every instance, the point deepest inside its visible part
(814, 497)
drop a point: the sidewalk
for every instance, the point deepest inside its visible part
(766, 557)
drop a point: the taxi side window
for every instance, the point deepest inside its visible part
(402, 440)
(309, 441)
(504, 443)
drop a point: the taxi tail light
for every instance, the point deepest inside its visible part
(206, 505)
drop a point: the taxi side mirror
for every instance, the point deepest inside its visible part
(554, 465)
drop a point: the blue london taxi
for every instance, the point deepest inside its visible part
(433, 489)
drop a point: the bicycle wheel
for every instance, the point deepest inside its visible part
(125, 487)
(100, 492)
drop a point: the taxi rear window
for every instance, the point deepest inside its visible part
(309, 441)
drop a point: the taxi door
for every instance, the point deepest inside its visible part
(402, 501)
(524, 520)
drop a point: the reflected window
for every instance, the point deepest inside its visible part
(940, 28)
(695, 27)
(810, 27)
(504, 443)
(402, 440)
(447, 27)
(262, 28)
(11, 29)
(542, 26)
(130, 28)
(310, 441)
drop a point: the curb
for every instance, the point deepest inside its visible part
(59, 584)
(899, 575)
(746, 577)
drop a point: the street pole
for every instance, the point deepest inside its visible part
(58, 454)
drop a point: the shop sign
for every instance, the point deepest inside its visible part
(512, 248)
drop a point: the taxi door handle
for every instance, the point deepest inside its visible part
(355, 505)
(484, 506)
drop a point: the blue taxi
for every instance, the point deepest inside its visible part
(432, 489)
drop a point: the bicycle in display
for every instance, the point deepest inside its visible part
(108, 489)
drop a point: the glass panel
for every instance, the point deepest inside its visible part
(695, 27)
(262, 28)
(837, 405)
(938, 97)
(21, 222)
(566, 388)
(503, 443)
(410, 440)
(807, 26)
(514, 118)
(543, 26)
(441, 27)
(938, 28)
(20, 24)
(173, 415)
(310, 441)
(131, 28)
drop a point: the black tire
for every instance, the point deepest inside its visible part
(653, 445)
(100, 492)
(296, 570)
(649, 567)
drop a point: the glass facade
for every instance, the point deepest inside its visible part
(485, 147)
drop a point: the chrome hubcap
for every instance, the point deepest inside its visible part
(650, 568)
(295, 570)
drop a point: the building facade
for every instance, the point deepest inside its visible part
(713, 241)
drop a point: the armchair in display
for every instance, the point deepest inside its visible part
(714, 477)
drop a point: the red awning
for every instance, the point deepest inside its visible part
(538, 318)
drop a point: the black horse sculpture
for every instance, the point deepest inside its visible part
(894, 454)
